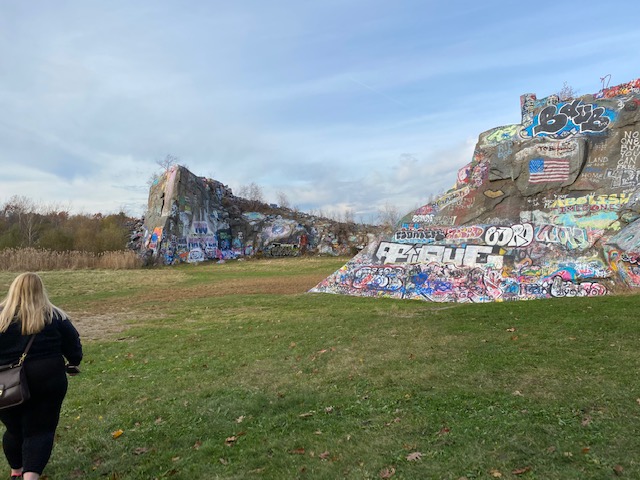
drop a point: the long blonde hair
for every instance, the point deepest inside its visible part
(27, 302)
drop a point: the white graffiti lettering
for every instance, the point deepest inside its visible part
(624, 177)
(518, 235)
(629, 149)
(573, 238)
(469, 256)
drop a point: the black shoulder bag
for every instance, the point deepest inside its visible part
(14, 389)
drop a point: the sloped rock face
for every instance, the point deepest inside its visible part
(546, 208)
(194, 219)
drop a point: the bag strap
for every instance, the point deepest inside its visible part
(26, 350)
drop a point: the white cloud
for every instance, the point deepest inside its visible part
(341, 105)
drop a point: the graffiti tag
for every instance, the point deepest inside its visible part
(469, 256)
(629, 150)
(565, 119)
(419, 236)
(386, 278)
(518, 235)
(573, 238)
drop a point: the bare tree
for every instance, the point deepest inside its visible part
(567, 92)
(388, 216)
(167, 162)
(349, 216)
(282, 199)
(251, 192)
(28, 216)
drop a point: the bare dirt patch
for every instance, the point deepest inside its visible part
(110, 317)
(98, 326)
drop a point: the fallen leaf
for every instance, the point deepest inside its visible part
(586, 449)
(495, 473)
(512, 329)
(158, 421)
(618, 470)
(517, 393)
(140, 450)
(197, 445)
(230, 440)
(117, 433)
(324, 455)
(223, 461)
(387, 472)
(586, 421)
(520, 471)
(395, 420)
(305, 415)
(297, 451)
(240, 419)
(412, 457)
(175, 459)
(328, 410)
(444, 431)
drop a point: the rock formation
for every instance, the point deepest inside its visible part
(193, 219)
(546, 208)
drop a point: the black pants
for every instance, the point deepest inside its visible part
(31, 427)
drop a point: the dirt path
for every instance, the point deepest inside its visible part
(107, 318)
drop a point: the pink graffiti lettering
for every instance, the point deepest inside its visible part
(465, 233)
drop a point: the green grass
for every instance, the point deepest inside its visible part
(293, 385)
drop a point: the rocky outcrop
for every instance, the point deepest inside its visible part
(546, 208)
(194, 219)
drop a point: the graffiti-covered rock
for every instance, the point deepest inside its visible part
(195, 219)
(546, 208)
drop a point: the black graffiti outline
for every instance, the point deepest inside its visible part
(585, 117)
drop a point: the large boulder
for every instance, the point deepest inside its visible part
(194, 219)
(546, 208)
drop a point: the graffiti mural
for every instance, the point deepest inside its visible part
(566, 119)
(549, 208)
(195, 219)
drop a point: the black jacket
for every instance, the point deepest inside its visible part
(59, 337)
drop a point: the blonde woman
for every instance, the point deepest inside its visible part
(30, 427)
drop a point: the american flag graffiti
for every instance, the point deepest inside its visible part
(548, 170)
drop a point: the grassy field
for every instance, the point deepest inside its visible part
(233, 371)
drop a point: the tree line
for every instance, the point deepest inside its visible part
(27, 224)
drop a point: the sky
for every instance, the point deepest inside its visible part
(353, 106)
